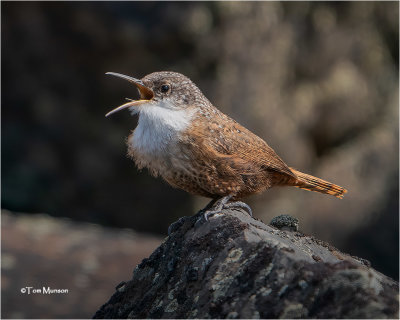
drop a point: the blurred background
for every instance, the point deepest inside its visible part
(317, 80)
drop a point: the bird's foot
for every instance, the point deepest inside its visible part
(239, 204)
(223, 203)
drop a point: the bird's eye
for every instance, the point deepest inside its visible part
(165, 88)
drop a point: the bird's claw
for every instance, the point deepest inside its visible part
(223, 203)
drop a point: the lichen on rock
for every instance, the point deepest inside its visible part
(234, 266)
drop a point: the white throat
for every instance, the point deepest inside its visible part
(158, 125)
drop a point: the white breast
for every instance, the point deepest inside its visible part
(157, 129)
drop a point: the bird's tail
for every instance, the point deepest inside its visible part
(310, 183)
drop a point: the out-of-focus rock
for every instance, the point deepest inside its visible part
(236, 267)
(40, 251)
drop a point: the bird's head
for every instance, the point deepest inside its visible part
(165, 89)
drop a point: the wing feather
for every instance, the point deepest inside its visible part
(224, 137)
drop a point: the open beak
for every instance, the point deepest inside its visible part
(146, 94)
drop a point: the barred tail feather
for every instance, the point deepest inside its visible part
(308, 182)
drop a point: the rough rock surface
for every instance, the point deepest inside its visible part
(236, 267)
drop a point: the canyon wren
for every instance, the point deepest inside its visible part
(182, 137)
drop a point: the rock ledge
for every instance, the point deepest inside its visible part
(236, 267)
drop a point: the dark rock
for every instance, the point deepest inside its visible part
(236, 267)
(192, 274)
(121, 286)
(285, 222)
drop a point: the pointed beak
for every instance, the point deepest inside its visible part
(146, 94)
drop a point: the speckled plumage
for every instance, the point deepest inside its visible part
(183, 138)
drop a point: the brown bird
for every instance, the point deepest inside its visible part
(187, 141)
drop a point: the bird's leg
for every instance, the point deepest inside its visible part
(208, 206)
(216, 206)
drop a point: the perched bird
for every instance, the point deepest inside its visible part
(182, 137)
